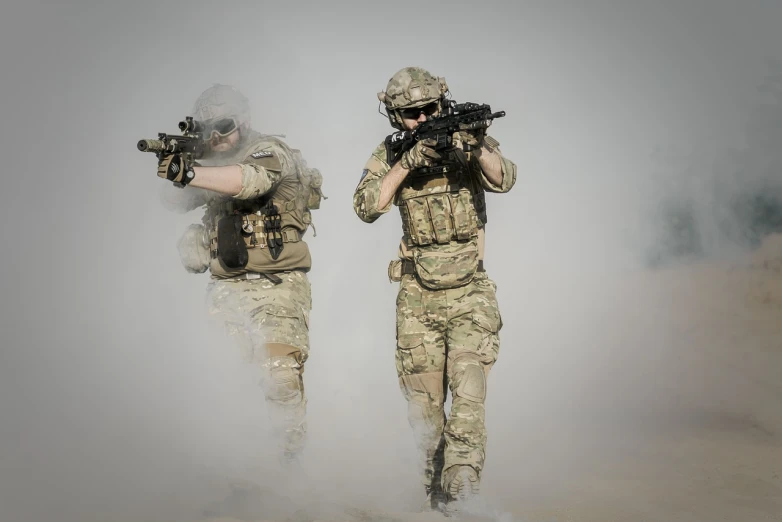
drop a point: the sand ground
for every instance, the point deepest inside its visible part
(703, 443)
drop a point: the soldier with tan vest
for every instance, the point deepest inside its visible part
(257, 193)
(448, 319)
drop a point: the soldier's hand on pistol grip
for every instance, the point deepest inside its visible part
(173, 168)
(421, 155)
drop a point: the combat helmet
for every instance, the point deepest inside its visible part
(218, 104)
(411, 87)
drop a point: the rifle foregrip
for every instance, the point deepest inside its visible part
(151, 146)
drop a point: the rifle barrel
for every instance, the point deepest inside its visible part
(151, 145)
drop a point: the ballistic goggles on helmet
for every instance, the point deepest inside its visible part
(220, 128)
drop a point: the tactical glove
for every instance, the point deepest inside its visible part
(421, 155)
(473, 138)
(173, 168)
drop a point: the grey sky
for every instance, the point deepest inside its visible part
(112, 386)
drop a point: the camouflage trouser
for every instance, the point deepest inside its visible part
(447, 339)
(270, 321)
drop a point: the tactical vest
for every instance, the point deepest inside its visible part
(270, 222)
(441, 218)
(440, 208)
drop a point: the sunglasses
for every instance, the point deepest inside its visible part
(415, 112)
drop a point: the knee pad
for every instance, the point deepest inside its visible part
(428, 384)
(283, 382)
(472, 383)
(423, 414)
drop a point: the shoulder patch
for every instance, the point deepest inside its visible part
(364, 174)
(262, 154)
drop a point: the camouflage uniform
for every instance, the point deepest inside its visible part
(265, 303)
(448, 319)
(270, 323)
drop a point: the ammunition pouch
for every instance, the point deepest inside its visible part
(440, 218)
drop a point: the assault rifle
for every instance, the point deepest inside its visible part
(190, 144)
(454, 117)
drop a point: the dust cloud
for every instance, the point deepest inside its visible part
(638, 270)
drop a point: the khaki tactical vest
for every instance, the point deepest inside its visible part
(443, 215)
(271, 227)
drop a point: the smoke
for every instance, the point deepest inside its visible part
(711, 204)
(119, 400)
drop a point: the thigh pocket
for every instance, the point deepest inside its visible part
(411, 354)
(487, 320)
(282, 324)
(488, 324)
(409, 307)
(486, 308)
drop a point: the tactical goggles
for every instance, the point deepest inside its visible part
(220, 128)
(413, 113)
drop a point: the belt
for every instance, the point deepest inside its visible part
(271, 277)
(257, 275)
(408, 267)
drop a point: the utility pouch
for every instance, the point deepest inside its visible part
(231, 248)
(193, 249)
(446, 266)
(395, 271)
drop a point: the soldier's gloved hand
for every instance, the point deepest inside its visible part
(421, 155)
(473, 138)
(173, 168)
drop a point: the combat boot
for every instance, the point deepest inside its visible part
(462, 485)
(435, 499)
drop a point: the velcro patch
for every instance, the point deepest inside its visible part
(491, 142)
(262, 154)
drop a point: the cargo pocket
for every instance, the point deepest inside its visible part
(282, 324)
(410, 307)
(488, 323)
(411, 355)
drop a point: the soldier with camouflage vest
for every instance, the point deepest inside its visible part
(257, 193)
(447, 315)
